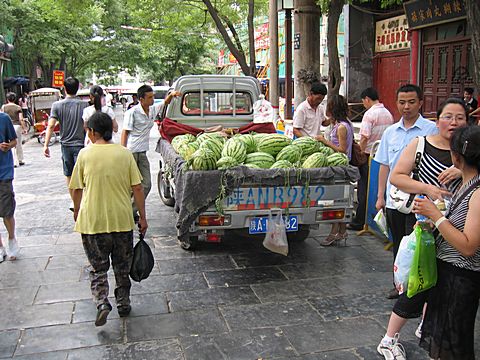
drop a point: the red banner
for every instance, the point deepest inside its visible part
(58, 78)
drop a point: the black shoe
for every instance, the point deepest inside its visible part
(21, 163)
(353, 226)
(102, 314)
(124, 310)
(393, 294)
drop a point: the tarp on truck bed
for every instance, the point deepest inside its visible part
(196, 191)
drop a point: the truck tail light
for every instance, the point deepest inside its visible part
(213, 237)
(213, 220)
(330, 215)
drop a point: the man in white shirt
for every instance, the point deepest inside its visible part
(310, 114)
(374, 123)
(136, 134)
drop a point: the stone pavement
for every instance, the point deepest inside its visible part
(233, 300)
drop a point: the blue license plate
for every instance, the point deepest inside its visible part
(258, 225)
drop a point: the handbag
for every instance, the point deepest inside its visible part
(143, 261)
(401, 200)
(359, 158)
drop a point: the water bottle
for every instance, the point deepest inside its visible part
(421, 218)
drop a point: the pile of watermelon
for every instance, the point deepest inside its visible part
(209, 151)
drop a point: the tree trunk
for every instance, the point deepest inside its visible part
(251, 37)
(334, 73)
(231, 46)
(472, 8)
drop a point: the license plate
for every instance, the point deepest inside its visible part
(258, 225)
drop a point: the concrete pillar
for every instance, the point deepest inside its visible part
(273, 87)
(306, 45)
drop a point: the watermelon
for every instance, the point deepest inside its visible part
(261, 159)
(291, 153)
(337, 159)
(236, 149)
(203, 159)
(315, 160)
(249, 142)
(204, 136)
(273, 143)
(326, 150)
(213, 144)
(227, 162)
(307, 144)
(179, 140)
(252, 166)
(282, 164)
(186, 150)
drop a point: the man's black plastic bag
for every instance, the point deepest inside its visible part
(143, 261)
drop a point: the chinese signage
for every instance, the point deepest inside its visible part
(392, 34)
(57, 79)
(422, 13)
(262, 40)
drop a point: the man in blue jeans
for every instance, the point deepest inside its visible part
(68, 113)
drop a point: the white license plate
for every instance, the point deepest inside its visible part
(258, 225)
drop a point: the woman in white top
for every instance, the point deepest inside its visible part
(98, 99)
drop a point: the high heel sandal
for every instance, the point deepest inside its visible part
(339, 237)
(329, 240)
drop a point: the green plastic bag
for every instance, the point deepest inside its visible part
(423, 271)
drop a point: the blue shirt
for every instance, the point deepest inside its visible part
(395, 139)
(7, 134)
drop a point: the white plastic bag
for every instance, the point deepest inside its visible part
(276, 236)
(381, 222)
(262, 111)
(403, 262)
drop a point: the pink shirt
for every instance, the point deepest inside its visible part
(374, 123)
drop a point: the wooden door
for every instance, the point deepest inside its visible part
(446, 71)
(391, 70)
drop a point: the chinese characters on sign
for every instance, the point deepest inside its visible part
(392, 34)
(422, 13)
(58, 78)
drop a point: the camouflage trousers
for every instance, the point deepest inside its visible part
(99, 248)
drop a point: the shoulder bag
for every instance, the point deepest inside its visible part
(403, 201)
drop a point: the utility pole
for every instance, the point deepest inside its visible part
(273, 87)
(307, 45)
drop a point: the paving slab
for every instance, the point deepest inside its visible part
(196, 299)
(8, 342)
(191, 265)
(9, 280)
(333, 335)
(267, 343)
(23, 316)
(163, 283)
(269, 315)
(183, 323)
(239, 277)
(168, 349)
(64, 292)
(46, 339)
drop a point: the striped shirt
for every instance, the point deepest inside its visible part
(447, 252)
(374, 123)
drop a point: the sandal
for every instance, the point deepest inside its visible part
(340, 237)
(329, 240)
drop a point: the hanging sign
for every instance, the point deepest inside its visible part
(392, 34)
(423, 13)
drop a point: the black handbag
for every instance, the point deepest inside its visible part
(143, 261)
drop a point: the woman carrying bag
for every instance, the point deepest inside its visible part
(104, 176)
(449, 322)
(435, 174)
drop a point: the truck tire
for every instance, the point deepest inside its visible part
(300, 235)
(164, 190)
(189, 244)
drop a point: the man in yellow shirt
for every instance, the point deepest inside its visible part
(103, 178)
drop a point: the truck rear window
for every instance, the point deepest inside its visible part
(217, 103)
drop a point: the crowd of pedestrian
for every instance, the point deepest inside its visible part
(444, 155)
